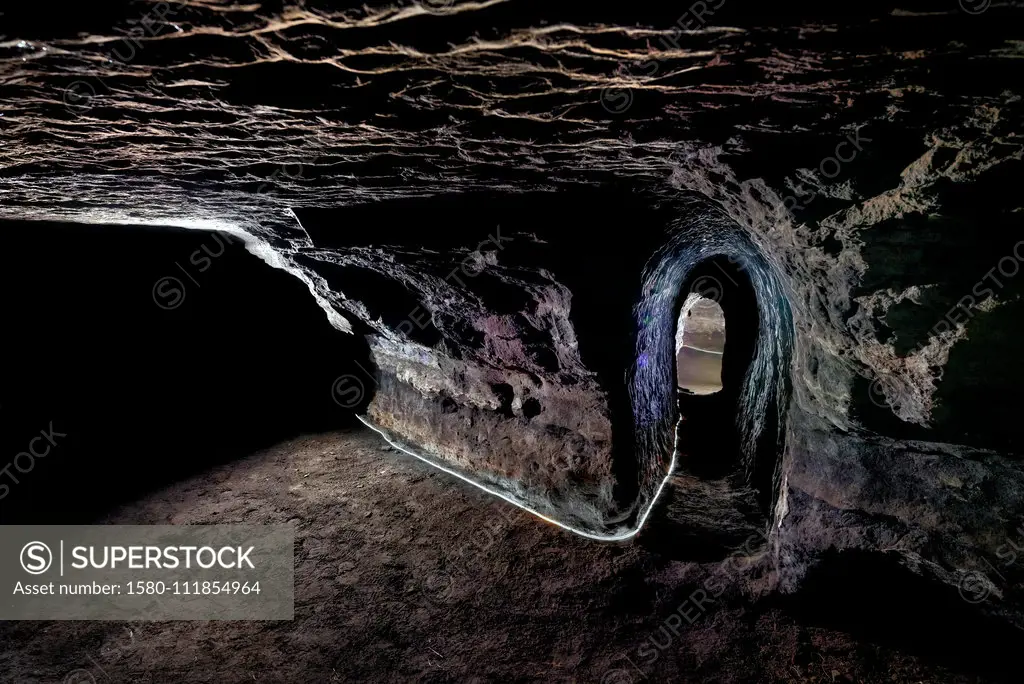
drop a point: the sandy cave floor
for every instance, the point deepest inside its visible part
(405, 574)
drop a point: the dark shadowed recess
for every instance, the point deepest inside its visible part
(968, 264)
(147, 379)
(878, 601)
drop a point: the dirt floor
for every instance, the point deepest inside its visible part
(405, 574)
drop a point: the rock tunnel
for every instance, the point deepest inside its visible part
(509, 212)
(491, 354)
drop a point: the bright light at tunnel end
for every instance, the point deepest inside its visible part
(504, 497)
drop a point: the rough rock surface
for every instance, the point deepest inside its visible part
(859, 163)
(406, 575)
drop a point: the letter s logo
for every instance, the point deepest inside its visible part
(36, 558)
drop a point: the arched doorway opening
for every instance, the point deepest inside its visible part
(723, 448)
(716, 337)
(700, 343)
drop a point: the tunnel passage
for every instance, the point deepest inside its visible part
(521, 387)
(524, 385)
(735, 435)
(709, 442)
(154, 353)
